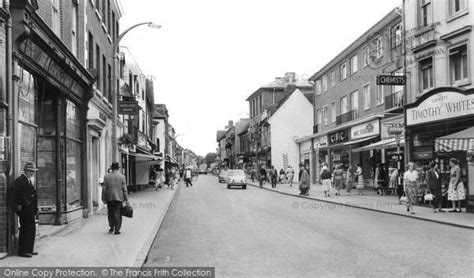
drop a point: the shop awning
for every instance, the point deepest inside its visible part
(146, 157)
(459, 141)
(359, 140)
(382, 144)
(171, 160)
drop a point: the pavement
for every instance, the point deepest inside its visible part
(88, 243)
(258, 233)
(371, 201)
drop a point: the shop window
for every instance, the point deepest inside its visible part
(458, 66)
(27, 113)
(73, 155)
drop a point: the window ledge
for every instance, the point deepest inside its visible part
(457, 15)
(97, 13)
(380, 104)
(104, 28)
(109, 38)
(461, 83)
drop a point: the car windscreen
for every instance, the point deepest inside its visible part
(235, 173)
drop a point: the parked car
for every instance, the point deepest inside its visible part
(223, 176)
(236, 178)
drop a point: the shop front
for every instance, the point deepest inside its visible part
(53, 92)
(320, 155)
(438, 114)
(305, 155)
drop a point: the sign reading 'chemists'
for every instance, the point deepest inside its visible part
(441, 106)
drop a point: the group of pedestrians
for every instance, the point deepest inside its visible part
(341, 179)
(273, 176)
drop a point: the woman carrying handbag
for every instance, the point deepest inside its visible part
(410, 186)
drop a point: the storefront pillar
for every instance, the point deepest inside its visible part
(59, 176)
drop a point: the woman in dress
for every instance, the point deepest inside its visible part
(410, 186)
(359, 178)
(456, 191)
(392, 184)
(337, 179)
(325, 177)
(349, 180)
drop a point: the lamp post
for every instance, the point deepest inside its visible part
(115, 96)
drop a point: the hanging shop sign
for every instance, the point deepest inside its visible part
(128, 107)
(371, 128)
(391, 128)
(440, 104)
(395, 80)
(320, 142)
(340, 136)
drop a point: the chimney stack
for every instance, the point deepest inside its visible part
(290, 77)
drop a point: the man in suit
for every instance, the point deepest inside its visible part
(26, 205)
(304, 181)
(433, 181)
(115, 188)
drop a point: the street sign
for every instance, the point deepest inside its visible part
(396, 80)
(127, 107)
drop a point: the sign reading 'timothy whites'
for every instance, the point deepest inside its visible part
(441, 106)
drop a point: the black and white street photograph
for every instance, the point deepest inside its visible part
(225, 138)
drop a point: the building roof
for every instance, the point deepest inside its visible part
(160, 111)
(363, 39)
(220, 134)
(282, 83)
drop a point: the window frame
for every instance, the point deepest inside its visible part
(319, 116)
(380, 91)
(325, 115)
(366, 55)
(367, 97)
(420, 74)
(325, 83)
(466, 79)
(343, 109)
(343, 72)
(333, 78)
(354, 69)
(333, 112)
(379, 47)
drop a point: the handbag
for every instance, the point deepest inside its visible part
(127, 211)
(428, 197)
(404, 198)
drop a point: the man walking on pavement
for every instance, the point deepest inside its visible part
(188, 175)
(115, 188)
(274, 176)
(304, 181)
(263, 174)
(26, 207)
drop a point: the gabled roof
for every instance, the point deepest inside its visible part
(281, 84)
(220, 134)
(307, 93)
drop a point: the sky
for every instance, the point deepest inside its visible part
(210, 55)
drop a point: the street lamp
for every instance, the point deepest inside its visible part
(115, 96)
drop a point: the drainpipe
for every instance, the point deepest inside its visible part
(13, 155)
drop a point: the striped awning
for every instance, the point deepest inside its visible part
(382, 144)
(459, 141)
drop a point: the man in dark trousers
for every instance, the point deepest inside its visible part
(274, 176)
(115, 188)
(263, 175)
(26, 205)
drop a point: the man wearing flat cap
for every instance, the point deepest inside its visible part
(26, 204)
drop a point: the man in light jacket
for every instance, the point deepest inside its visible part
(304, 181)
(115, 188)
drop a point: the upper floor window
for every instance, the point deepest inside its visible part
(458, 65)
(380, 95)
(333, 112)
(333, 78)
(396, 35)
(426, 73)
(319, 117)
(318, 86)
(74, 29)
(367, 96)
(325, 115)
(456, 6)
(325, 83)
(354, 64)
(355, 101)
(343, 105)
(366, 56)
(343, 71)
(56, 21)
(379, 47)
(425, 13)
(398, 90)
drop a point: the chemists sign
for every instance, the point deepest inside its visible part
(440, 106)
